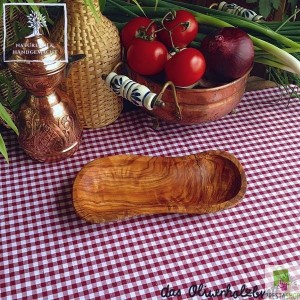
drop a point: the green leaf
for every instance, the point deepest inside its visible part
(33, 7)
(20, 30)
(6, 84)
(91, 5)
(139, 6)
(14, 106)
(293, 4)
(3, 149)
(265, 7)
(4, 79)
(7, 119)
(102, 4)
(276, 4)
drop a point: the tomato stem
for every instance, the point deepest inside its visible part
(185, 26)
(151, 37)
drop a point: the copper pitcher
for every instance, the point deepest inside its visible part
(49, 127)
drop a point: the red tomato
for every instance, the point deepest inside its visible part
(134, 28)
(183, 28)
(185, 67)
(147, 57)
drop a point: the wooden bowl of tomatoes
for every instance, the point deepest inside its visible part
(194, 105)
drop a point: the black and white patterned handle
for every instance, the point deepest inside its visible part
(235, 9)
(132, 91)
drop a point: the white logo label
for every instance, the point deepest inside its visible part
(36, 22)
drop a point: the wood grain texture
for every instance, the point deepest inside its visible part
(122, 186)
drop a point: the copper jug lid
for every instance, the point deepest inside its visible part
(36, 55)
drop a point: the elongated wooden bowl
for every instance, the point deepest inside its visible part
(122, 186)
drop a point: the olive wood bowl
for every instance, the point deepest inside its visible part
(122, 186)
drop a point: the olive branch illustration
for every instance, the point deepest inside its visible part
(36, 21)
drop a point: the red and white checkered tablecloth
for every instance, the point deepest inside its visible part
(48, 252)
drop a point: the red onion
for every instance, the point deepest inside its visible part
(229, 53)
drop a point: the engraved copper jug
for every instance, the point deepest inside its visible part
(49, 127)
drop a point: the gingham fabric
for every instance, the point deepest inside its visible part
(48, 252)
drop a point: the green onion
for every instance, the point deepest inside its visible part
(277, 49)
(272, 63)
(287, 59)
(119, 6)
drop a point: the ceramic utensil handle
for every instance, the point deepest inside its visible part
(132, 91)
(235, 9)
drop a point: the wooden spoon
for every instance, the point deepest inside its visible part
(117, 187)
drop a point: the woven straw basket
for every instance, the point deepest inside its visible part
(99, 40)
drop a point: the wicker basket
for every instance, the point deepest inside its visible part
(97, 106)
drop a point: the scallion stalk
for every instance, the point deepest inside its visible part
(232, 21)
(128, 11)
(287, 59)
(272, 63)
(264, 38)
